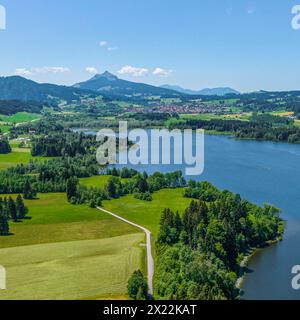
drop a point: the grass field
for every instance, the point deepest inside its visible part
(148, 214)
(282, 113)
(88, 269)
(244, 116)
(69, 252)
(21, 117)
(4, 128)
(17, 156)
(95, 181)
(99, 181)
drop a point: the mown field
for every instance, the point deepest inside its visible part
(69, 252)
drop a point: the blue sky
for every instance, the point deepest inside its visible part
(246, 44)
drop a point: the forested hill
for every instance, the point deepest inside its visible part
(19, 88)
(9, 107)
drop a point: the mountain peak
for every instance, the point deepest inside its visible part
(107, 75)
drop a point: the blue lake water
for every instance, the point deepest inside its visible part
(260, 172)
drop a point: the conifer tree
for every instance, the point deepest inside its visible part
(21, 209)
(12, 210)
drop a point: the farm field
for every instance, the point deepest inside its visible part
(145, 213)
(74, 251)
(282, 113)
(88, 269)
(17, 156)
(20, 117)
(245, 116)
(4, 128)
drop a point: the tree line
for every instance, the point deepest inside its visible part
(11, 210)
(139, 184)
(47, 176)
(68, 144)
(255, 130)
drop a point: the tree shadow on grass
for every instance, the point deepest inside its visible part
(7, 235)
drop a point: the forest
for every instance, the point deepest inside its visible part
(199, 253)
(9, 107)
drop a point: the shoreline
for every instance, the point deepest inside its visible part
(246, 259)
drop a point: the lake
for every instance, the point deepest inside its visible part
(260, 172)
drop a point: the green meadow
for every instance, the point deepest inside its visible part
(99, 181)
(95, 181)
(20, 117)
(4, 128)
(146, 213)
(69, 252)
(245, 116)
(17, 156)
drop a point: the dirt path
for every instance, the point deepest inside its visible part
(150, 261)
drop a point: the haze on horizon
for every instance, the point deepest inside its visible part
(248, 45)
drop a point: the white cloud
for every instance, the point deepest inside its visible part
(103, 43)
(41, 70)
(22, 72)
(51, 70)
(112, 48)
(161, 72)
(134, 71)
(92, 70)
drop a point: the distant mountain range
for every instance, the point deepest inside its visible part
(107, 85)
(111, 85)
(19, 88)
(203, 92)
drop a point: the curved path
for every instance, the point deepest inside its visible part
(150, 261)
